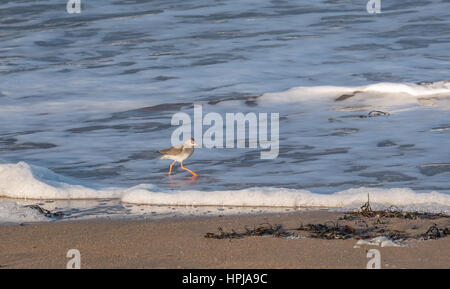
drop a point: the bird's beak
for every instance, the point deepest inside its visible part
(196, 144)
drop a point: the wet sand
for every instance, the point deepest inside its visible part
(180, 243)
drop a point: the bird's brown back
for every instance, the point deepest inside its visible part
(171, 151)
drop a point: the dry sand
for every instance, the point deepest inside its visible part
(180, 243)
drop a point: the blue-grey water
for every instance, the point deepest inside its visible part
(91, 95)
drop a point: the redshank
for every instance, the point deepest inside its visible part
(179, 153)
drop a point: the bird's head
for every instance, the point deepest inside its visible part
(191, 143)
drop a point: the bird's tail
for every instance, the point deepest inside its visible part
(163, 157)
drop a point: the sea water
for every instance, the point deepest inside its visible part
(87, 99)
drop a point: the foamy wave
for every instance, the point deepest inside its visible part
(32, 182)
(381, 95)
(24, 181)
(282, 197)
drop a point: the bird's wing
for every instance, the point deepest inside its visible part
(172, 151)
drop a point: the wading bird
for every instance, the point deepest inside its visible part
(179, 153)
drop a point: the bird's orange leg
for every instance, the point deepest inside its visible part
(188, 170)
(171, 167)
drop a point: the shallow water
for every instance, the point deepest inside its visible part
(90, 96)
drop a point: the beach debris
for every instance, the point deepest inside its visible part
(434, 233)
(391, 212)
(328, 230)
(366, 209)
(325, 231)
(370, 226)
(223, 235)
(45, 212)
(375, 113)
(264, 229)
(394, 234)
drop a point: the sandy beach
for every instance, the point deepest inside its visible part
(181, 243)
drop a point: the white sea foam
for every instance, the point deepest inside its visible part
(282, 197)
(24, 181)
(382, 242)
(381, 95)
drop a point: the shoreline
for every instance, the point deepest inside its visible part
(181, 243)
